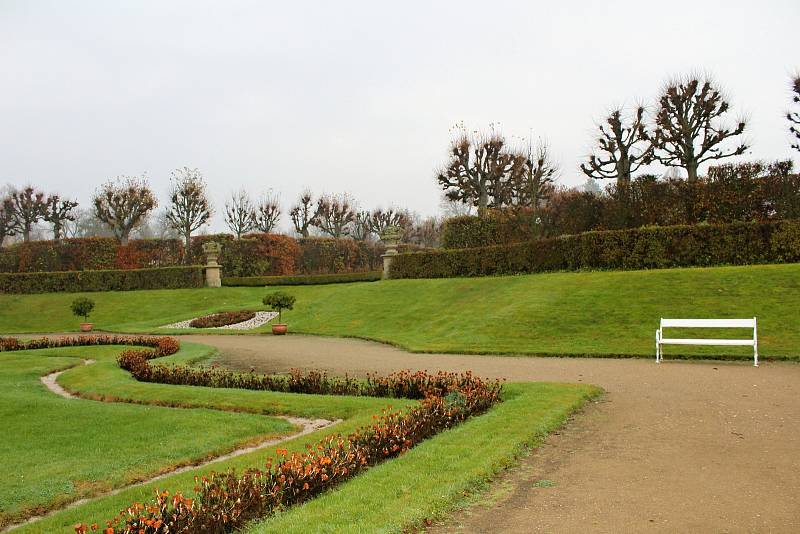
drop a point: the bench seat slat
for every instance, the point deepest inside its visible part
(708, 323)
(732, 342)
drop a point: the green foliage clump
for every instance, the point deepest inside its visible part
(301, 280)
(82, 307)
(279, 301)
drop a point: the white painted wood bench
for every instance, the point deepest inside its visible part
(706, 323)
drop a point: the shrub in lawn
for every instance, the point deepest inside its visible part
(82, 307)
(279, 301)
(215, 320)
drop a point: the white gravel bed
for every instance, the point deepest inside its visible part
(261, 318)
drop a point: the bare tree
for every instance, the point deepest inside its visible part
(27, 208)
(479, 169)
(425, 232)
(58, 212)
(794, 116)
(6, 217)
(334, 215)
(268, 213)
(534, 182)
(455, 208)
(303, 214)
(123, 204)
(623, 146)
(239, 214)
(189, 206)
(361, 226)
(380, 220)
(687, 128)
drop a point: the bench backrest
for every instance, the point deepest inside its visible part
(708, 323)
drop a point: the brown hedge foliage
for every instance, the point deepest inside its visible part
(641, 248)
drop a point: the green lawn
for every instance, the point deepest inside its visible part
(101, 440)
(57, 450)
(585, 313)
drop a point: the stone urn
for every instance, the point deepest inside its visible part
(212, 250)
(391, 238)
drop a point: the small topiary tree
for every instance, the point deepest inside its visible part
(279, 301)
(82, 307)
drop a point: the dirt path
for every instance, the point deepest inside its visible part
(673, 447)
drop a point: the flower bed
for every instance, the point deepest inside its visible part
(216, 320)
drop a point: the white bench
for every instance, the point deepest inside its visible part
(706, 323)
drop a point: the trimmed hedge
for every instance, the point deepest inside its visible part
(301, 280)
(641, 248)
(117, 280)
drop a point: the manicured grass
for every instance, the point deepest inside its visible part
(424, 483)
(590, 313)
(57, 450)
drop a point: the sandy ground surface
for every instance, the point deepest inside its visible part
(672, 447)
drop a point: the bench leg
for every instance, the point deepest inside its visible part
(658, 348)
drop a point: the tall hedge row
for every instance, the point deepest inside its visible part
(116, 280)
(254, 255)
(731, 194)
(641, 248)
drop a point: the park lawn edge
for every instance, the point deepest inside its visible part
(446, 473)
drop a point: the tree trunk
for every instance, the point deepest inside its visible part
(691, 171)
(187, 251)
(124, 237)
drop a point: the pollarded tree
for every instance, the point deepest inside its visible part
(380, 220)
(361, 226)
(58, 212)
(27, 208)
(123, 205)
(303, 214)
(480, 169)
(622, 147)
(6, 216)
(334, 215)
(268, 213)
(688, 131)
(189, 206)
(239, 214)
(794, 116)
(534, 182)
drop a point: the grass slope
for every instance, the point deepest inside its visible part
(64, 449)
(588, 313)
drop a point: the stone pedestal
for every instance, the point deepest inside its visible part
(391, 238)
(212, 269)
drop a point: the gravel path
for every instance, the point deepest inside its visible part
(672, 447)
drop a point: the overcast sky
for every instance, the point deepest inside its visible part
(355, 97)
